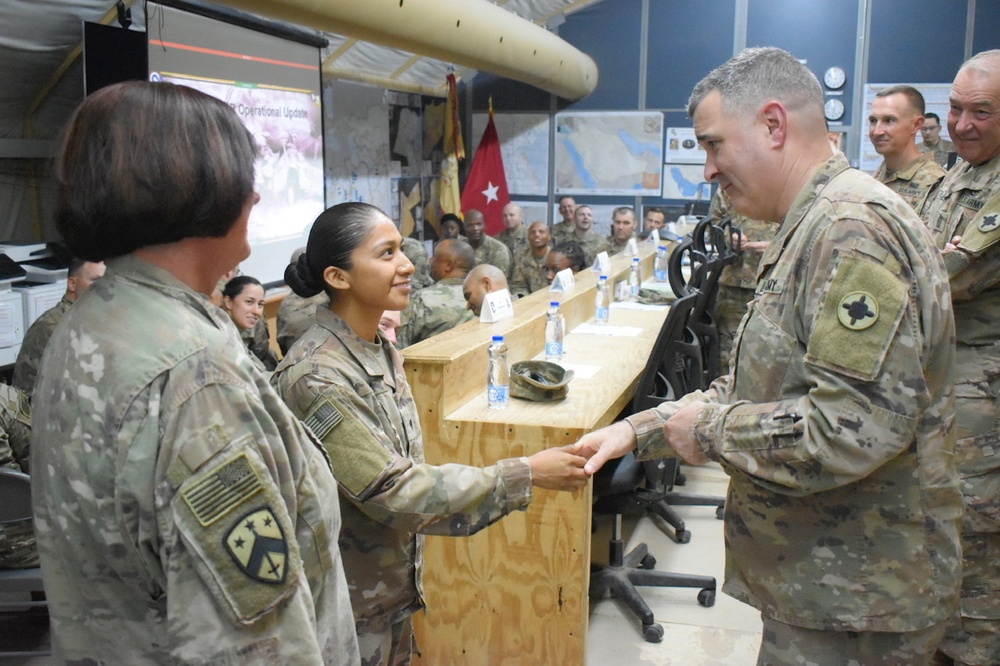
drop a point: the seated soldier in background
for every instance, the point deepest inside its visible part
(243, 301)
(80, 276)
(933, 144)
(564, 229)
(567, 254)
(17, 541)
(389, 324)
(297, 314)
(440, 306)
(487, 250)
(623, 226)
(515, 234)
(654, 218)
(738, 281)
(528, 272)
(481, 280)
(417, 254)
(584, 235)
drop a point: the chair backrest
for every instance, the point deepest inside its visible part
(674, 361)
(15, 496)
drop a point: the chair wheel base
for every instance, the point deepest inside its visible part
(706, 597)
(653, 633)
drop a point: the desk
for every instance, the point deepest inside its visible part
(516, 593)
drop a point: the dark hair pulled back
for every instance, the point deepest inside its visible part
(336, 233)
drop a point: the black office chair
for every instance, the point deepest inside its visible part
(626, 486)
(24, 586)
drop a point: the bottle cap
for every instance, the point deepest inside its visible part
(604, 277)
(554, 304)
(497, 338)
(635, 260)
(661, 247)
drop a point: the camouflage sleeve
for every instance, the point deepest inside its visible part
(971, 273)
(849, 419)
(518, 280)
(502, 258)
(228, 540)
(449, 500)
(409, 322)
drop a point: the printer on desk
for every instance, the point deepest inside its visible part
(12, 324)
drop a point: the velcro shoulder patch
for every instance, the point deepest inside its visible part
(859, 317)
(983, 231)
(236, 528)
(359, 458)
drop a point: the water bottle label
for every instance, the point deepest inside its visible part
(660, 276)
(497, 393)
(603, 314)
(553, 349)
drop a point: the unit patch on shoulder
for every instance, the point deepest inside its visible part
(258, 546)
(858, 310)
(989, 222)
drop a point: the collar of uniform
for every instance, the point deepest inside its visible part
(451, 280)
(138, 270)
(911, 169)
(975, 178)
(366, 354)
(803, 201)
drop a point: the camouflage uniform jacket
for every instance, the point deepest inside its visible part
(939, 152)
(417, 254)
(29, 357)
(183, 514)
(592, 245)
(614, 247)
(258, 343)
(844, 507)
(493, 252)
(562, 231)
(516, 240)
(974, 271)
(433, 310)
(353, 394)
(528, 274)
(295, 316)
(913, 181)
(17, 540)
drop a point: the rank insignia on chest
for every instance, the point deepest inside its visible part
(258, 546)
(858, 311)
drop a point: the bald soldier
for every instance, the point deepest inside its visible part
(481, 280)
(441, 306)
(896, 116)
(515, 234)
(962, 214)
(841, 521)
(528, 271)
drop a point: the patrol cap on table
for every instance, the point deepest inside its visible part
(540, 381)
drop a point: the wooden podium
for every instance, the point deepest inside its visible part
(516, 593)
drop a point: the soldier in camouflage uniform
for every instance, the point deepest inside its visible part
(515, 236)
(896, 115)
(933, 144)
(623, 229)
(80, 275)
(843, 511)
(585, 236)
(487, 250)
(182, 513)
(441, 306)
(243, 301)
(348, 384)
(561, 231)
(738, 280)
(17, 541)
(528, 272)
(417, 254)
(295, 316)
(963, 214)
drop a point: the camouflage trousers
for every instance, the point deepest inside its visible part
(393, 646)
(17, 546)
(786, 645)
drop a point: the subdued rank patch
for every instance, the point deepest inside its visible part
(858, 310)
(324, 419)
(989, 222)
(222, 490)
(257, 544)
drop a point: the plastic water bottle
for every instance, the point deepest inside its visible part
(660, 264)
(634, 280)
(555, 329)
(602, 301)
(498, 375)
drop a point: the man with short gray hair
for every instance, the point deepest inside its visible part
(843, 509)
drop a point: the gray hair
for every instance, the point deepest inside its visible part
(756, 75)
(987, 62)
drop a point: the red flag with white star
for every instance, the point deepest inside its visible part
(486, 188)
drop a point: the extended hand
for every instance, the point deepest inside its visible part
(602, 445)
(558, 468)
